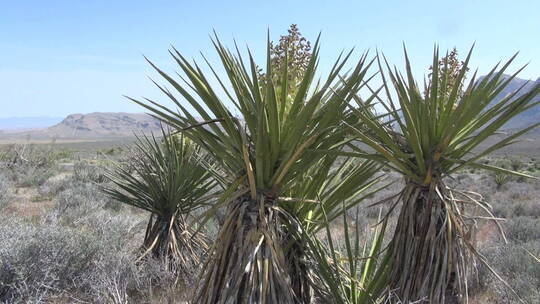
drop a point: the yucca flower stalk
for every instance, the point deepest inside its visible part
(272, 142)
(169, 179)
(435, 135)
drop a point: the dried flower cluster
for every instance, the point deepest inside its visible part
(297, 50)
(292, 49)
(449, 66)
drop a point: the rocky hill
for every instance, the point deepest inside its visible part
(104, 125)
(530, 116)
(89, 127)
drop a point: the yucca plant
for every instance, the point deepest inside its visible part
(436, 134)
(342, 271)
(263, 145)
(347, 270)
(168, 178)
(500, 179)
(327, 191)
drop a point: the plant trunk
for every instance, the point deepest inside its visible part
(169, 238)
(247, 263)
(428, 254)
(299, 270)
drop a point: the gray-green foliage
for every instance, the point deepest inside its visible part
(47, 262)
(81, 250)
(517, 267)
(28, 165)
(86, 172)
(5, 191)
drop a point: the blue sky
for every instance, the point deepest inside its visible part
(62, 57)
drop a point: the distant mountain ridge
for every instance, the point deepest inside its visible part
(98, 125)
(104, 125)
(528, 117)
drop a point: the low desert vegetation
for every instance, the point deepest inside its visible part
(300, 188)
(84, 246)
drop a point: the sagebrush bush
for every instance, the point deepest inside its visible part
(517, 199)
(28, 165)
(516, 267)
(38, 261)
(117, 279)
(530, 208)
(78, 201)
(5, 191)
(92, 261)
(27, 176)
(53, 186)
(522, 229)
(84, 171)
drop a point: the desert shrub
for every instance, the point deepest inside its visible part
(112, 151)
(503, 210)
(5, 192)
(69, 191)
(77, 202)
(28, 155)
(503, 163)
(516, 163)
(511, 209)
(114, 229)
(523, 229)
(53, 186)
(117, 279)
(39, 198)
(516, 267)
(28, 165)
(63, 154)
(28, 176)
(516, 199)
(92, 262)
(85, 172)
(531, 209)
(44, 260)
(536, 164)
(73, 204)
